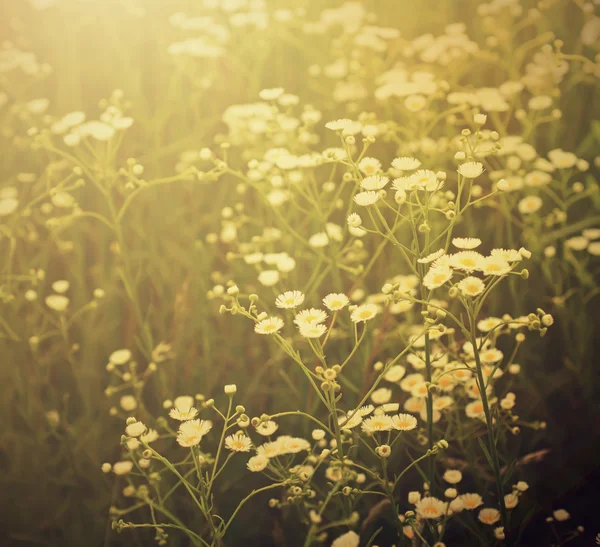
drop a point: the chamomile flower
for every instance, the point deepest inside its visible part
(381, 396)
(470, 169)
(431, 508)
(510, 255)
(437, 276)
(452, 476)
(365, 199)
(471, 501)
(471, 286)
(404, 422)
(425, 179)
(257, 463)
(489, 515)
(431, 257)
(57, 302)
(406, 163)
(289, 299)
(495, 265)
(374, 182)
(530, 205)
(310, 317)
(238, 443)
(394, 374)
(467, 243)
(266, 429)
(312, 331)
(183, 414)
(369, 166)
(363, 313)
(467, 261)
(270, 325)
(190, 433)
(335, 301)
(375, 424)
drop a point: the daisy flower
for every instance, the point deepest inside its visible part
(426, 180)
(238, 443)
(183, 414)
(257, 463)
(467, 243)
(406, 163)
(437, 276)
(471, 501)
(431, 257)
(289, 299)
(267, 428)
(489, 515)
(431, 508)
(510, 255)
(363, 313)
(310, 317)
(377, 423)
(530, 205)
(335, 301)
(404, 422)
(452, 476)
(369, 166)
(467, 261)
(495, 265)
(471, 286)
(381, 396)
(312, 331)
(190, 433)
(374, 182)
(364, 199)
(269, 326)
(471, 169)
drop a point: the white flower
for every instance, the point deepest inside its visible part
(466, 242)
(354, 220)
(452, 476)
(404, 422)
(377, 423)
(339, 125)
(120, 357)
(363, 313)
(268, 278)
(318, 240)
(430, 508)
(437, 276)
(381, 396)
(471, 286)
(60, 286)
(135, 429)
(467, 261)
(310, 317)
(271, 94)
(489, 516)
(8, 206)
(369, 166)
(470, 169)
(267, 428)
(312, 331)
(238, 443)
(495, 265)
(289, 299)
(190, 433)
(431, 257)
(269, 326)
(561, 515)
(57, 302)
(257, 463)
(335, 301)
(364, 199)
(349, 539)
(374, 182)
(406, 163)
(530, 205)
(122, 468)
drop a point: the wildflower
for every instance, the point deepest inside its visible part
(510, 255)
(471, 501)
(406, 163)
(414, 497)
(369, 166)
(351, 421)
(425, 179)
(471, 286)
(269, 326)
(354, 220)
(374, 182)
(452, 476)
(436, 277)
(522, 486)
(122, 468)
(310, 317)
(451, 493)
(489, 516)
(268, 278)
(271, 94)
(495, 265)
(289, 299)
(61, 286)
(267, 428)
(318, 240)
(404, 422)
(364, 199)
(431, 257)
(149, 436)
(312, 331)
(499, 532)
(120, 356)
(335, 301)
(257, 463)
(394, 373)
(530, 205)
(377, 423)
(430, 508)
(8, 206)
(135, 429)
(191, 432)
(128, 403)
(57, 302)
(561, 515)
(381, 396)
(467, 261)
(475, 409)
(349, 539)
(339, 125)
(230, 389)
(363, 313)
(511, 500)
(384, 451)
(318, 434)
(467, 243)
(471, 169)
(238, 443)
